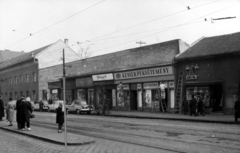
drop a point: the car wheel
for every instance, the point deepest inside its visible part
(77, 111)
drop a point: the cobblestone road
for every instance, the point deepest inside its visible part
(15, 143)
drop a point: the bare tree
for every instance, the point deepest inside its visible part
(83, 52)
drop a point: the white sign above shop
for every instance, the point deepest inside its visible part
(102, 77)
(144, 73)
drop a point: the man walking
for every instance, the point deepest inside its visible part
(1, 109)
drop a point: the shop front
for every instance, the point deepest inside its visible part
(139, 90)
(105, 90)
(55, 91)
(84, 89)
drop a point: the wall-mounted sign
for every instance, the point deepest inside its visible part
(124, 87)
(102, 77)
(139, 86)
(191, 77)
(144, 73)
(55, 91)
(171, 84)
(152, 85)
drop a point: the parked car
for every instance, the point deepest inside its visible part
(79, 106)
(54, 105)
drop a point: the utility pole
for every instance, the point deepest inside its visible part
(140, 42)
(64, 99)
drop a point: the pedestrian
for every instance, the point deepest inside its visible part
(1, 109)
(200, 106)
(25, 111)
(10, 111)
(237, 109)
(185, 106)
(18, 112)
(193, 106)
(60, 117)
(41, 106)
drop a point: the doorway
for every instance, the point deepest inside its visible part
(109, 98)
(133, 103)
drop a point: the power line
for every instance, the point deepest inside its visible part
(153, 20)
(57, 22)
(164, 30)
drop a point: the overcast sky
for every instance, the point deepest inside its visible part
(106, 26)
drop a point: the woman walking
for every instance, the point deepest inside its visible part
(60, 117)
(10, 111)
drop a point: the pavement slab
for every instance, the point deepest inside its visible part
(49, 135)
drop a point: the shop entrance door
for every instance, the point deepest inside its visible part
(133, 103)
(109, 98)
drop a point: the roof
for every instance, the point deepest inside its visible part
(210, 46)
(23, 57)
(7, 54)
(147, 56)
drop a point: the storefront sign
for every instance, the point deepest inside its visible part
(144, 73)
(83, 82)
(191, 77)
(171, 84)
(54, 91)
(125, 86)
(102, 77)
(152, 85)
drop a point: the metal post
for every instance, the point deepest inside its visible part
(64, 100)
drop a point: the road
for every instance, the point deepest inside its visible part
(146, 135)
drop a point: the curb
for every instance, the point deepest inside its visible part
(47, 139)
(174, 119)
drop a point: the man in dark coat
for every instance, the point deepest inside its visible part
(200, 106)
(237, 109)
(18, 112)
(185, 106)
(1, 109)
(193, 106)
(60, 117)
(25, 109)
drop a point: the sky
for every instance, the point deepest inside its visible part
(106, 26)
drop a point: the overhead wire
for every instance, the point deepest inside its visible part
(153, 20)
(164, 30)
(57, 22)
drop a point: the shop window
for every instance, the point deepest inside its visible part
(123, 96)
(203, 92)
(81, 94)
(69, 96)
(90, 96)
(16, 97)
(33, 95)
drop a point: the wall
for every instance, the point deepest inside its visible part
(28, 67)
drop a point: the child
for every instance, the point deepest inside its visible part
(60, 117)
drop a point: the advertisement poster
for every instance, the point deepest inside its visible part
(148, 98)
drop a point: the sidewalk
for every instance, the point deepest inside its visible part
(48, 135)
(210, 118)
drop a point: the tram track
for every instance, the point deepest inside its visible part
(128, 137)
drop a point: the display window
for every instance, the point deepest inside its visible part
(150, 95)
(123, 96)
(202, 92)
(90, 96)
(82, 94)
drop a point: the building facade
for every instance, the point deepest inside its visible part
(140, 70)
(210, 69)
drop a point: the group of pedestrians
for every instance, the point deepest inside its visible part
(195, 106)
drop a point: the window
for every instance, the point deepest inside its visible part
(27, 78)
(21, 93)
(34, 77)
(34, 95)
(10, 95)
(6, 82)
(27, 93)
(16, 96)
(15, 78)
(21, 79)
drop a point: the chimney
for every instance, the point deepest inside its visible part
(66, 41)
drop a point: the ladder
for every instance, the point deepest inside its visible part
(162, 104)
(178, 100)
